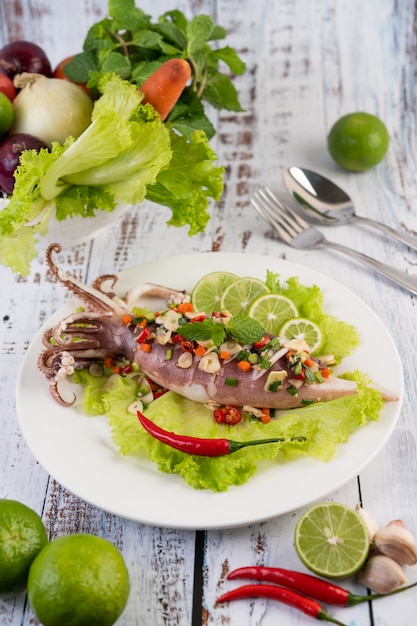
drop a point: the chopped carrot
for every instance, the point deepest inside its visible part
(185, 307)
(145, 347)
(200, 350)
(108, 362)
(163, 88)
(117, 369)
(143, 323)
(266, 416)
(308, 362)
(325, 372)
(244, 366)
(127, 319)
(224, 355)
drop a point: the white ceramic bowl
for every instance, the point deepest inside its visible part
(76, 230)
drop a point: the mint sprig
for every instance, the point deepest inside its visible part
(127, 42)
(242, 329)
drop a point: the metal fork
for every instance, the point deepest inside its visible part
(296, 232)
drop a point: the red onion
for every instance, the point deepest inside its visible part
(23, 56)
(10, 150)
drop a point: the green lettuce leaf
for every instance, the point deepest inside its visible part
(126, 154)
(325, 426)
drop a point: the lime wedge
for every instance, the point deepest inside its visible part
(272, 310)
(239, 296)
(301, 328)
(208, 291)
(332, 540)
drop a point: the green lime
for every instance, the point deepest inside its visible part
(6, 114)
(22, 536)
(332, 540)
(272, 310)
(358, 141)
(302, 328)
(208, 292)
(239, 296)
(78, 580)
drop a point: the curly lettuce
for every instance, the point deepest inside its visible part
(125, 155)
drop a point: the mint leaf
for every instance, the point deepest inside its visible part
(221, 93)
(230, 57)
(197, 331)
(245, 329)
(117, 63)
(198, 31)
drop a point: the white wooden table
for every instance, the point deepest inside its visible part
(308, 62)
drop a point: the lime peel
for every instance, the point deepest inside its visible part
(332, 540)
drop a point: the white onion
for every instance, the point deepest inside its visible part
(50, 109)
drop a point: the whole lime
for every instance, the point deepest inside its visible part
(358, 141)
(6, 114)
(22, 536)
(78, 580)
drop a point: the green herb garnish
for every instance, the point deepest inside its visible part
(128, 43)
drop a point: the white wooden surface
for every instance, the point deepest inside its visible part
(309, 62)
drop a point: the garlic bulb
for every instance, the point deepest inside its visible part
(369, 521)
(382, 574)
(50, 109)
(395, 541)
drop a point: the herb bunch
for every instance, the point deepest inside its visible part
(128, 43)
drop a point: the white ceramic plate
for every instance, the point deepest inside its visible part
(79, 453)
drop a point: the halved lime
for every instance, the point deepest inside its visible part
(332, 540)
(239, 296)
(302, 328)
(208, 291)
(272, 310)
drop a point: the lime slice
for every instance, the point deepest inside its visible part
(239, 296)
(208, 292)
(302, 328)
(332, 540)
(272, 310)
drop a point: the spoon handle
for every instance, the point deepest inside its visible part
(403, 237)
(397, 276)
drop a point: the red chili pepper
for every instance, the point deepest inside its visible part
(262, 342)
(197, 445)
(305, 583)
(198, 318)
(143, 335)
(187, 345)
(282, 594)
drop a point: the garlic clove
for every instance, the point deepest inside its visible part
(370, 522)
(395, 541)
(382, 574)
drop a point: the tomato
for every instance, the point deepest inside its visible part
(59, 73)
(7, 87)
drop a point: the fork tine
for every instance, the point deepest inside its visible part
(278, 215)
(265, 212)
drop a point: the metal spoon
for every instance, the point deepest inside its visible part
(329, 204)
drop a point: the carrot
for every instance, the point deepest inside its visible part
(127, 319)
(163, 88)
(185, 307)
(244, 366)
(145, 347)
(224, 355)
(200, 350)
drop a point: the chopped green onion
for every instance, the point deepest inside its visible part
(307, 402)
(253, 358)
(309, 376)
(232, 382)
(274, 386)
(292, 390)
(265, 364)
(319, 377)
(169, 354)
